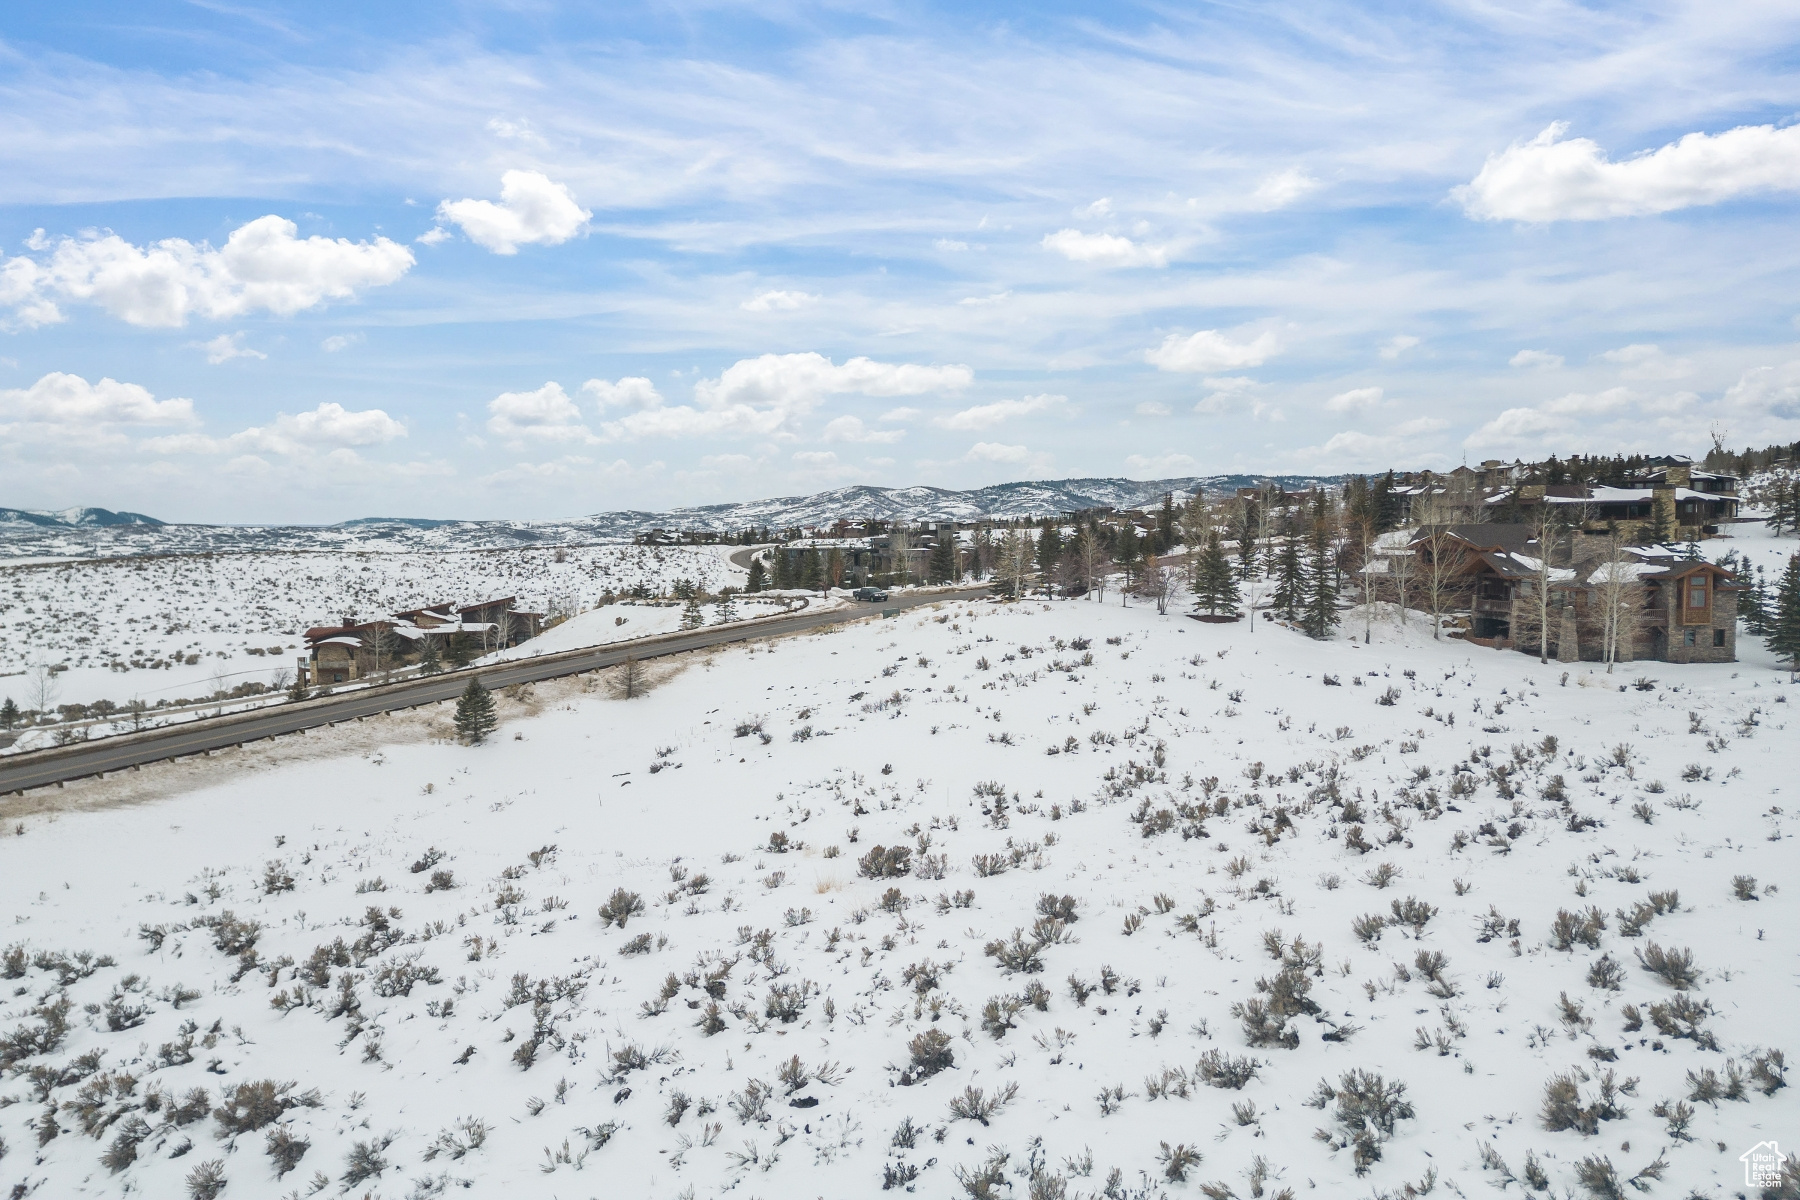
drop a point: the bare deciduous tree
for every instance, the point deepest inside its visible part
(1445, 556)
(1621, 599)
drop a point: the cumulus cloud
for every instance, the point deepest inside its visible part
(332, 424)
(330, 427)
(340, 341)
(68, 405)
(768, 396)
(851, 429)
(228, 346)
(1646, 361)
(996, 452)
(1551, 178)
(815, 458)
(1769, 392)
(1150, 408)
(1158, 466)
(986, 416)
(1397, 345)
(1355, 400)
(1283, 188)
(1105, 249)
(546, 413)
(263, 265)
(901, 414)
(633, 391)
(1538, 359)
(533, 210)
(1209, 351)
(1516, 428)
(778, 301)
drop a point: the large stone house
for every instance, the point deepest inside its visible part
(1683, 609)
(351, 650)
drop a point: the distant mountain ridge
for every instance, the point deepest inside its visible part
(27, 533)
(73, 518)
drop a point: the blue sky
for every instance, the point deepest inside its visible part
(310, 262)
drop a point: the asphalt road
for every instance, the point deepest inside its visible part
(42, 768)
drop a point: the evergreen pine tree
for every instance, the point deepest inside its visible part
(9, 714)
(431, 662)
(1049, 548)
(1321, 615)
(1127, 552)
(1784, 625)
(1218, 590)
(1290, 581)
(1246, 539)
(475, 716)
(1165, 524)
(459, 649)
(812, 570)
(298, 690)
(758, 577)
(725, 609)
(691, 616)
(1662, 516)
(942, 567)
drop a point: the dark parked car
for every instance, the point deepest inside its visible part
(873, 594)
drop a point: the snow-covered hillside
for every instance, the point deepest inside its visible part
(1027, 900)
(1036, 498)
(163, 627)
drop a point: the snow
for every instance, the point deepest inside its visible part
(120, 624)
(886, 733)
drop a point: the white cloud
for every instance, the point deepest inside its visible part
(1769, 392)
(1644, 361)
(1420, 425)
(1541, 359)
(950, 245)
(340, 341)
(262, 265)
(985, 301)
(851, 429)
(532, 211)
(330, 427)
(986, 416)
(633, 391)
(1283, 188)
(1099, 208)
(545, 413)
(1160, 466)
(1105, 249)
(815, 458)
(1150, 408)
(1550, 179)
(901, 414)
(1209, 350)
(778, 301)
(1516, 428)
(68, 405)
(1355, 400)
(767, 396)
(995, 452)
(1584, 404)
(228, 346)
(1397, 345)
(332, 424)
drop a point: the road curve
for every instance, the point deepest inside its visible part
(43, 768)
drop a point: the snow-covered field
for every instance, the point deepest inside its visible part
(157, 628)
(1157, 906)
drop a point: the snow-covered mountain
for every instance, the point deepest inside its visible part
(80, 518)
(88, 532)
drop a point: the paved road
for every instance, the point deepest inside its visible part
(41, 768)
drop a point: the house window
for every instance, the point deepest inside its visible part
(1690, 637)
(1697, 592)
(1718, 637)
